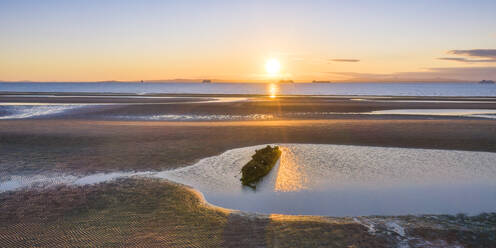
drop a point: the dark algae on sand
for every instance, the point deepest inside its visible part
(260, 165)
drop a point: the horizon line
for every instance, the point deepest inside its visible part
(253, 82)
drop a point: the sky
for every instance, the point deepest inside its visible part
(99, 40)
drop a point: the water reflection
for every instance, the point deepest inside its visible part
(290, 176)
(273, 90)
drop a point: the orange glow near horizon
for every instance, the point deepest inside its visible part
(247, 41)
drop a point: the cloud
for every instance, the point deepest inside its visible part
(481, 53)
(439, 74)
(345, 60)
(468, 60)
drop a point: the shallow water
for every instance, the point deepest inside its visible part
(191, 117)
(473, 113)
(467, 100)
(26, 110)
(16, 182)
(338, 180)
(330, 180)
(480, 113)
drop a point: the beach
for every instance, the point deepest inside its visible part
(248, 124)
(132, 133)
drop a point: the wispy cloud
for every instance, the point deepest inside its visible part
(480, 55)
(345, 60)
(468, 60)
(453, 59)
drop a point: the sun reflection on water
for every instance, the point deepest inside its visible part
(290, 176)
(273, 89)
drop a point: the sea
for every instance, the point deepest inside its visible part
(365, 89)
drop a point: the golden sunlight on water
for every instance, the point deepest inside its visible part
(290, 176)
(273, 89)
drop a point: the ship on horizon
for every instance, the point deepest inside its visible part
(486, 82)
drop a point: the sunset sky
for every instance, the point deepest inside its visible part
(85, 40)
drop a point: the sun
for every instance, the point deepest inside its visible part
(272, 66)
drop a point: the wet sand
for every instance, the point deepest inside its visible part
(281, 107)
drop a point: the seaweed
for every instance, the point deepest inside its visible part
(260, 165)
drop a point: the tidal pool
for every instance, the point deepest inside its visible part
(328, 180)
(337, 180)
(474, 113)
(480, 113)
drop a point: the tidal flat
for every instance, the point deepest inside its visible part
(157, 211)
